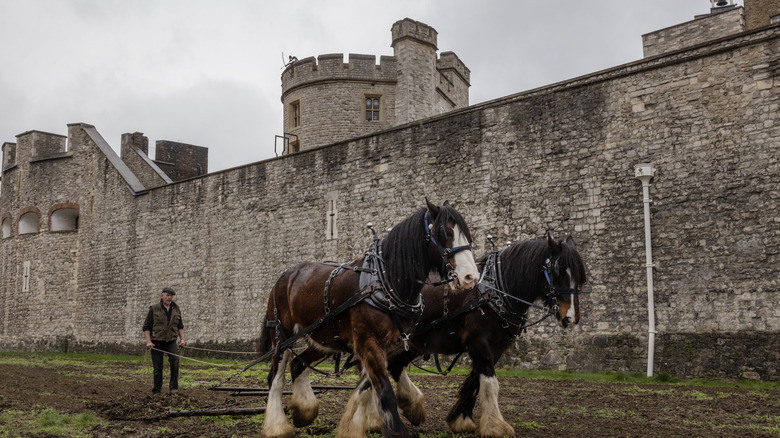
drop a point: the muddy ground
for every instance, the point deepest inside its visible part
(119, 394)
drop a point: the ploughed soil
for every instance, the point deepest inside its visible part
(119, 393)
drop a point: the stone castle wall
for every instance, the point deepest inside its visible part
(759, 13)
(702, 30)
(559, 158)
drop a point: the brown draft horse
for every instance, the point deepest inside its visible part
(484, 321)
(329, 306)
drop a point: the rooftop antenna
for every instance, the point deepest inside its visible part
(291, 59)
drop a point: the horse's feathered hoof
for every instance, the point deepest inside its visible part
(463, 424)
(303, 417)
(281, 430)
(498, 430)
(414, 411)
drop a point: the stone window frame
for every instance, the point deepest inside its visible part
(295, 114)
(377, 113)
(20, 221)
(6, 225)
(61, 207)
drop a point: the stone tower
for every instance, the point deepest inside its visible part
(327, 100)
(414, 46)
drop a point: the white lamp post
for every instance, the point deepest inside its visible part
(645, 172)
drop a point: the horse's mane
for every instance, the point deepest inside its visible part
(406, 252)
(522, 265)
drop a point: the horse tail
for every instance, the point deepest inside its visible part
(264, 344)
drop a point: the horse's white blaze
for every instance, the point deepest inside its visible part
(465, 266)
(492, 422)
(275, 423)
(572, 312)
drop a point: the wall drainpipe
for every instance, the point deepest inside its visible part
(645, 172)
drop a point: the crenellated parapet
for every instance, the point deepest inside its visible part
(414, 30)
(331, 67)
(449, 61)
(327, 100)
(9, 155)
(38, 145)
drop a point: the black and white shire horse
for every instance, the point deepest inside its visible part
(484, 322)
(366, 307)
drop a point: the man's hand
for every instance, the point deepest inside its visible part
(181, 344)
(149, 344)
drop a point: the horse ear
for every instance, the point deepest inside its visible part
(432, 208)
(447, 203)
(570, 242)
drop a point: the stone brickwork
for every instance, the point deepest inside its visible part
(558, 159)
(180, 160)
(703, 29)
(759, 13)
(330, 95)
(453, 87)
(414, 46)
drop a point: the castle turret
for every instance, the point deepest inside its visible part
(414, 46)
(327, 100)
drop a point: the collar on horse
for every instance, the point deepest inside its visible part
(446, 253)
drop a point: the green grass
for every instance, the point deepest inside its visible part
(15, 423)
(226, 367)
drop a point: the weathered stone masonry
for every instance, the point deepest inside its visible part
(559, 158)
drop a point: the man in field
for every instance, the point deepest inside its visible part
(162, 326)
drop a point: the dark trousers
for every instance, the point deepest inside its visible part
(157, 363)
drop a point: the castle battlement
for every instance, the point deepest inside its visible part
(411, 29)
(9, 155)
(330, 67)
(38, 145)
(450, 61)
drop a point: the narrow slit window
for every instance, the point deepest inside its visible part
(295, 114)
(26, 277)
(331, 230)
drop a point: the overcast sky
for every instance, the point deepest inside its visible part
(208, 72)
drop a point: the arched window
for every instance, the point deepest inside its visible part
(28, 223)
(6, 227)
(64, 219)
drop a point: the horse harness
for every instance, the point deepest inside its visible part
(374, 288)
(491, 292)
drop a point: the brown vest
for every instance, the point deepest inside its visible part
(162, 329)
